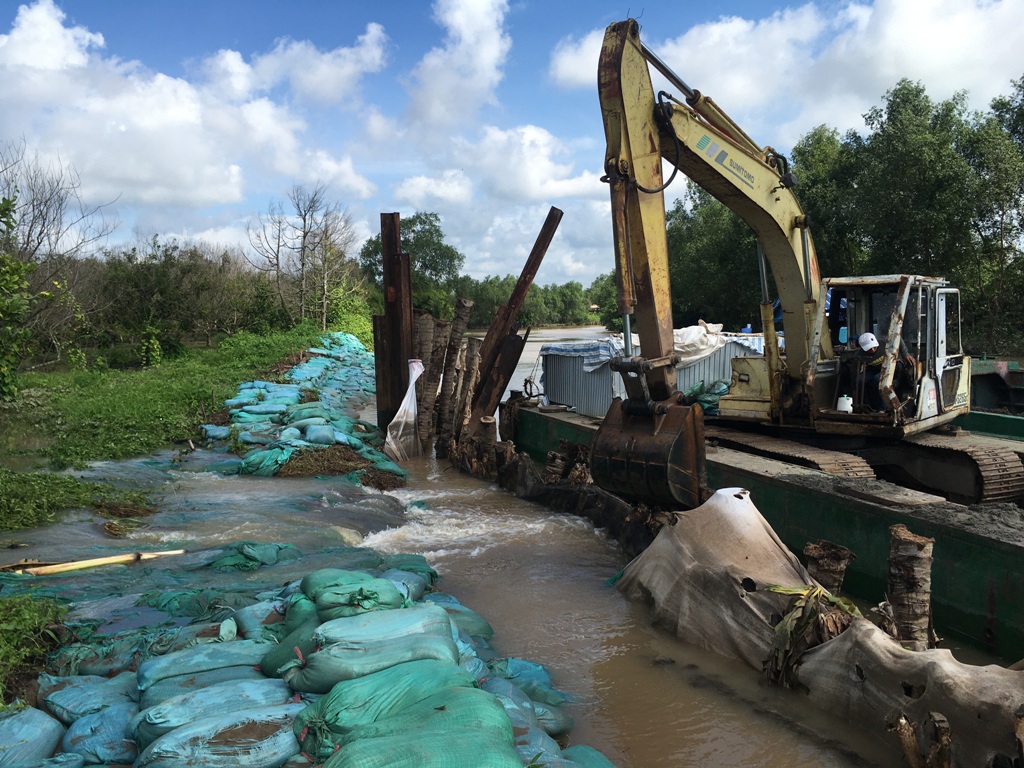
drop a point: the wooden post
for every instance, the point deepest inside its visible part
(451, 362)
(423, 340)
(397, 322)
(827, 563)
(387, 405)
(485, 446)
(470, 376)
(910, 584)
(431, 378)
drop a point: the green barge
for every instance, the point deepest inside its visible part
(978, 567)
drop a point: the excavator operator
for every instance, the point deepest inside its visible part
(870, 361)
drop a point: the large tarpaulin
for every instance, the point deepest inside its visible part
(706, 578)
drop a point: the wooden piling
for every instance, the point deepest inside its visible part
(431, 379)
(448, 380)
(827, 563)
(470, 377)
(393, 332)
(910, 583)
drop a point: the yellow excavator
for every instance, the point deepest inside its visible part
(815, 397)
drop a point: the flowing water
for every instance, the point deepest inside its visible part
(642, 697)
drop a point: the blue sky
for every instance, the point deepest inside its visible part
(190, 118)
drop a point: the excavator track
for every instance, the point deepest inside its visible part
(999, 471)
(830, 462)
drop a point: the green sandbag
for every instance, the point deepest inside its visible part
(250, 555)
(456, 749)
(352, 599)
(352, 703)
(300, 610)
(586, 757)
(313, 583)
(418, 618)
(325, 668)
(414, 564)
(296, 645)
(445, 711)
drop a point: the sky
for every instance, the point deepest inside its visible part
(188, 119)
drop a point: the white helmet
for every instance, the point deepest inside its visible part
(867, 341)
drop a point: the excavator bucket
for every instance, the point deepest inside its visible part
(656, 460)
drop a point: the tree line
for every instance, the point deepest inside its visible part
(929, 188)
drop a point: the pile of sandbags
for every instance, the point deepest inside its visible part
(343, 668)
(278, 421)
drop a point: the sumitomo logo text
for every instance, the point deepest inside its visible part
(721, 157)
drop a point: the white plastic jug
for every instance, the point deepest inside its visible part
(845, 404)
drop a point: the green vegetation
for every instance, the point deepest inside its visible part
(26, 636)
(31, 499)
(929, 188)
(94, 415)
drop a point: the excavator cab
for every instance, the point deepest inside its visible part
(924, 376)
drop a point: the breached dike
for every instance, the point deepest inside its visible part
(707, 577)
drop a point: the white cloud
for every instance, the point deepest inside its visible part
(326, 77)
(574, 62)
(451, 82)
(519, 164)
(424, 193)
(39, 40)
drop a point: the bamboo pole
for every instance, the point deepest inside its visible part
(45, 569)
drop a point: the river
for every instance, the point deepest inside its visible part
(643, 698)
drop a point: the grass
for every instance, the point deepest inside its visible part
(29, 630)
(100, 415)
(32, 499)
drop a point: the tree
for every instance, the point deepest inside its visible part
(994, 279)
(434, 264)
(712, 263)
(53, 231)
(306, 251)
(913, 185)
(826, 169)
(604, 294)
(15, 301)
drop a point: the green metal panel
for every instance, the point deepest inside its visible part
(977, 582)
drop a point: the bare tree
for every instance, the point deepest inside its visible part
(56, 230)
(307, 250)
(272, 252)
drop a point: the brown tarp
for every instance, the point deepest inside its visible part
(705, 577)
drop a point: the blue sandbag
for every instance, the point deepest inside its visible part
(215, 432)
(200, 658)
(256, 738)
(27, 736)
(320, 434)
(220, 699)
(72, 697)
(265, 409)
(102, 736)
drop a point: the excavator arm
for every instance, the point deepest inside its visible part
(650, 445)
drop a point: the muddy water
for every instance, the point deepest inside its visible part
(642, 698)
